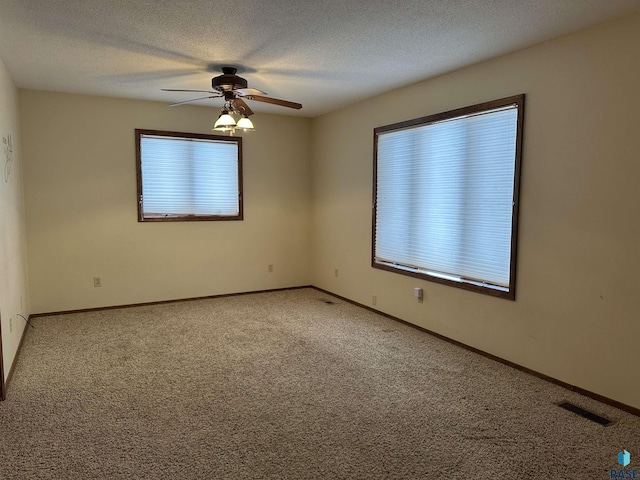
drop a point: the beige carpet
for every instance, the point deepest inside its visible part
(284, 386)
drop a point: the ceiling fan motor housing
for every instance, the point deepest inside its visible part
(228, 80)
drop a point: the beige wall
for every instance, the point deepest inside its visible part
(577, 313)
(80, 193)
(14, 298)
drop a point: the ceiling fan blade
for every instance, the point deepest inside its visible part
(178, 90)
(193, 100)
(275, 101)
(249, 91)
(241, 106)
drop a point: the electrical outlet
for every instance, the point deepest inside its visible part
(97, 282)
(335, 272)
(270, 268)
(374, 300)
(419, 294)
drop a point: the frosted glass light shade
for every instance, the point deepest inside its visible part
(224, 122)
(245, 124)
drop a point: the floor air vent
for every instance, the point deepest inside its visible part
(328, 302)
(585, 413)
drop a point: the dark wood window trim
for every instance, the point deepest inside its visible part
(509, 293)
(180, 217)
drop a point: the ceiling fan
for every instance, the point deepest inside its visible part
(234, 89)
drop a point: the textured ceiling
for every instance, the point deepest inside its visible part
(323, 54)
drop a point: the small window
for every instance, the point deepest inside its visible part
(188, 176)
(446, 196)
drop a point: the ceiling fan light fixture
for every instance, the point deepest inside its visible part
(245, 124)
(234, 88)
(225, 122)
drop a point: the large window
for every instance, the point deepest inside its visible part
(446, 196)
(187, 176)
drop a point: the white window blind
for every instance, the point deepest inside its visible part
(445, 197)
(188, 176)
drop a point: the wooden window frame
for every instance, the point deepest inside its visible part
(475, 287)
(187, 217)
